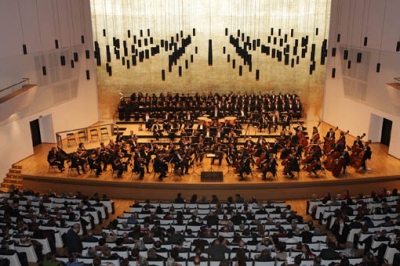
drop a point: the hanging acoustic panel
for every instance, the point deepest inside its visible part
(210, 53)
(87, 74)
(257, 74)
(56, 43)
(359, 57)
(333, 72)
(24, 50)
(346, 54)
(62, 58)
(333, 51)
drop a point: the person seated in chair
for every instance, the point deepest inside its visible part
(77, 162)
(292, 166)
(245, 166)
(269, 166)
(55, 159)
(157, 132)
(160, 166)
(179, 163)
(315, 165)
(118, 165)
(94, 163)
(139, 163)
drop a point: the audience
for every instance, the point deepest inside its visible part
(248, 238)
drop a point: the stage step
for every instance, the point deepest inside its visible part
(13, 178)
(15, 171)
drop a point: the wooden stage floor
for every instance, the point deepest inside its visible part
(384, 173)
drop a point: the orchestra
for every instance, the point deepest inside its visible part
(212, 124)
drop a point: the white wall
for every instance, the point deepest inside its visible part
(364, 110)
(64, 98)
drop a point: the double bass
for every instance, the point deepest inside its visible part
(332, 156)
(329, 143)
(355, 151)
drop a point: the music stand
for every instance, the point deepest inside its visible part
(211, 155)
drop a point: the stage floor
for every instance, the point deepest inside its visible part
(385, 170)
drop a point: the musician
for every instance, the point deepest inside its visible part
(286, 122)
(77, 162)
(157, 132)
(263, 122)
(345, 156)
(172, 128)
(187, 125)
(201, 127)
(273, 122)
(358, 144)
(367, 156)
(314, 165)
(208, 133)
(315, 136)
(104, 155)
(292, 165)
(231, 154)
(82, 152)
(330, 134)
(200, 151)
(111, 146)
(184, 144)
(269, 165)
(94, 162)
(300, 127)
(160, 166)
(341, 143)
(132, 135)
(219, 134)
(298, 109)
(260, 143)
(245, 166)
(217, 149)
(118, 165)
(148, 120)
(188, 116)
(249, 143)
(139, 163)
(232, 137)
(54, 158)
(179, 163)
(125, 152)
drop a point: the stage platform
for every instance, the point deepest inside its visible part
(384, 173)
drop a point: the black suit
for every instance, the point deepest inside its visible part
(74, 242)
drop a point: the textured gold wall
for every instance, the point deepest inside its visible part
(210, 19)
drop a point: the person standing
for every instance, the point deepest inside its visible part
(74, 242)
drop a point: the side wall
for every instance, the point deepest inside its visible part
(64, 97)
(356, 99)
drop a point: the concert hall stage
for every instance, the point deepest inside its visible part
(384, 172)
